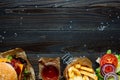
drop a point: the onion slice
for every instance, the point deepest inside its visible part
(111, 75)
(107, 68)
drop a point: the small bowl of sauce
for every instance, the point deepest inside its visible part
(50, 72)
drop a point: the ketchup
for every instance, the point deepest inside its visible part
(50, 72)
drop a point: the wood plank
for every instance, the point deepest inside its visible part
(59, 3)
(53, 41)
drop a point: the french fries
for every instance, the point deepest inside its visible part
(80, 72)
(85, 77)
(87, 69)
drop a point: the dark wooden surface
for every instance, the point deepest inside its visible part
(50, 27)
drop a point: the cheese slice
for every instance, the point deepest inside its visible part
(3, 60)
(21, 69)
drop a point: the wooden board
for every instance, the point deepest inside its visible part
(51, 27)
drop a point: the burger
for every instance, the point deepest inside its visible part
(14, 65)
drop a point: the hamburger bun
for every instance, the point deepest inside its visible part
(7, 72)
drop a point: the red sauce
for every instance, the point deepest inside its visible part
(50, 72)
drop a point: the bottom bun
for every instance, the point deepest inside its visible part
(7, 72)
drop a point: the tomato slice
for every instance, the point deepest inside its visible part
(110, 59)
(15, 63)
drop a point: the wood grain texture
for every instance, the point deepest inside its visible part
(51, 27)
(54, 25)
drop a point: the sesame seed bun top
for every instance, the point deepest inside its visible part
(7, 72)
